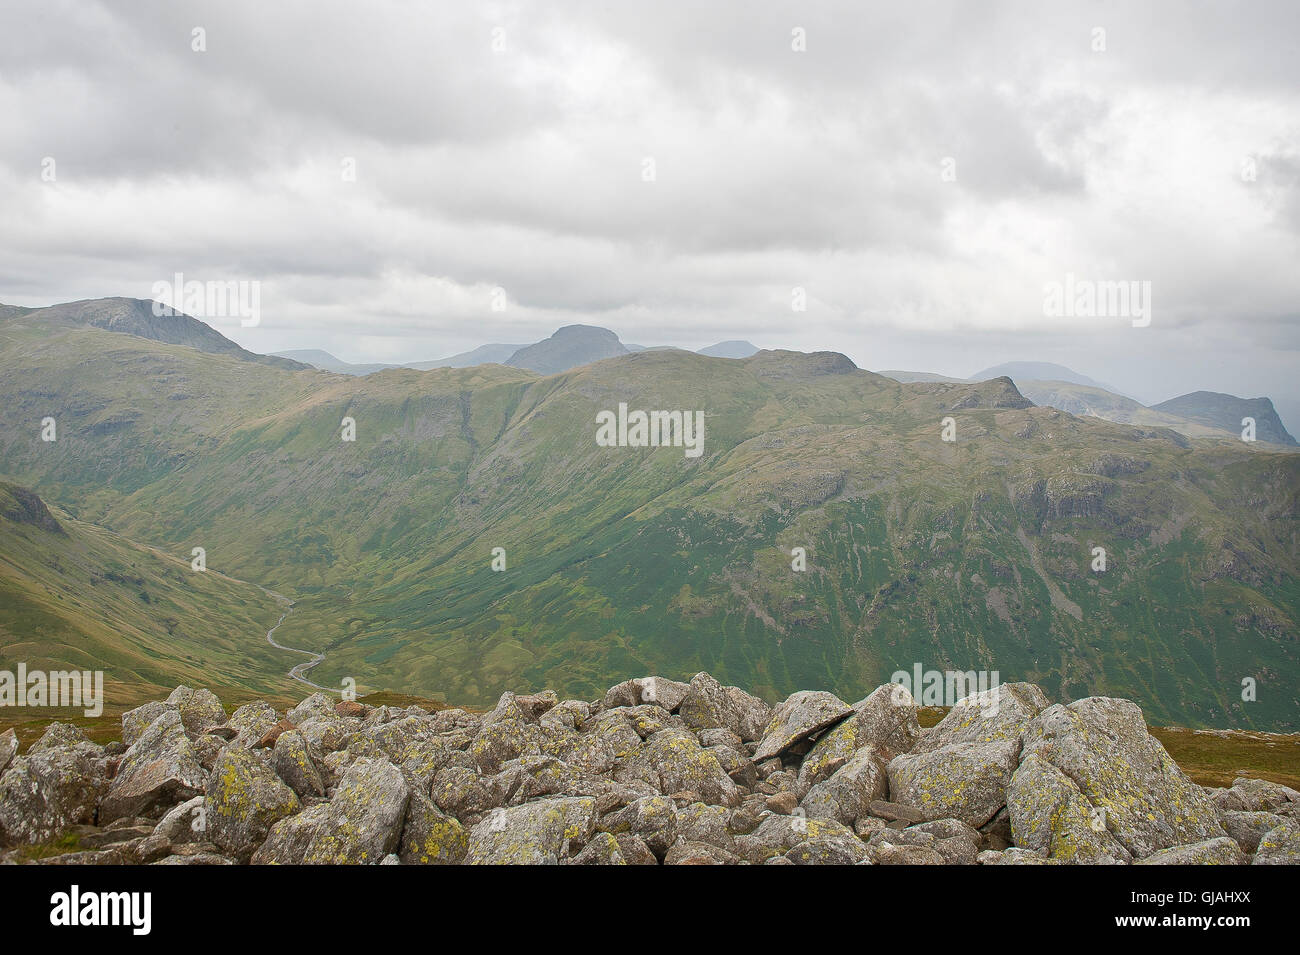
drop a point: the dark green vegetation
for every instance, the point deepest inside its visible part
(974, 555)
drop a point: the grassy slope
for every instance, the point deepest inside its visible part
(973, 555)
(89, 599)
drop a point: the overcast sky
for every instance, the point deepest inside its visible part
(506, 145)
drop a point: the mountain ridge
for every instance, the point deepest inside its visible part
(965, 554)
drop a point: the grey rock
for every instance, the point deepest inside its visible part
(43, 793)
(885, 720)
(541, 832)
(159, 770)
(364, 822)
(431, 837)
(672, 761)
(650, 689)
(293, 763)
(182, 825)
(289, 839)
(1280, 846)
(136, 721)
(8, 749)
(709, 705)
(1248, 828)
(801, 715)
(1125, 782)
(251, 722)
(849, 791)
(243, 800)
(652, 819)
(1220, 851)
(965, 780)
(315, 706)
(200, 710)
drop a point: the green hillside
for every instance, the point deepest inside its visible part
(967, 555)
(78, 595)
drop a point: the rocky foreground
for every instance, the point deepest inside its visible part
(657, 772)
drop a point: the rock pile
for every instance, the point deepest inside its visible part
(656, 772)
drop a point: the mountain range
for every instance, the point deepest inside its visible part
(570, 347)
(1202, 414)
(971, 554)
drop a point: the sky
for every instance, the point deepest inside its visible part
(916, 174)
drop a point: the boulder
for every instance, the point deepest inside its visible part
(672, 761)
(1247, 828)
(289, 839)
(59, 736)
(1220, 851)
(652, 819)
(251, 722)
(885, 720)
(1111, 784)
(650, 689)
(800, 716)
(540, 832)
(1254, 795)
(364, 822)
(159, 770)
(966, 781)
(136, 721)
(849, 791)
(200, 710)
(182, 825)
(8, 749)
(431, 837)
(293, 764)
(504, 734)
(316, 705)
(777, 835)
(243, 800)
(1280, 846)
(708, 705)
(43, 793)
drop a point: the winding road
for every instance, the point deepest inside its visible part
(298, 672)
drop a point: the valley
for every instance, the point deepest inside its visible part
(622, 559)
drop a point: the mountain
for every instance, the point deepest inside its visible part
(1037, 371)
(730, 349)
(496, 354)
(913, 376)
(133, 316)
(327, 362)
(970, 555)
(1202, 415)
(76, 595)
(570, 347)
(1226, 413)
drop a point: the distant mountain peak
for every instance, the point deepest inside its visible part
(1038, 371)
(569, 347)
(1226, 412)
(732, 348)
(135, 316)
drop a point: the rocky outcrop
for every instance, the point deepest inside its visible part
(1093, 781)
(656, 772)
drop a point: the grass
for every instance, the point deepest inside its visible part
(965, 556)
